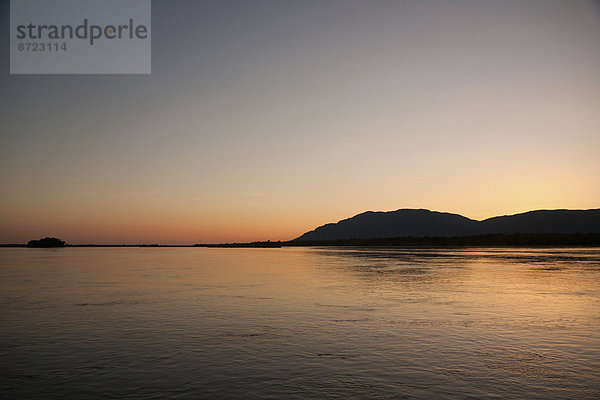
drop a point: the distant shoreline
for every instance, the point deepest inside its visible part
(488, 240)
(491, 240)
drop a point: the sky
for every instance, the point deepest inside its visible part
(265, 119)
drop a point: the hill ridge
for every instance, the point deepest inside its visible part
(422, 222)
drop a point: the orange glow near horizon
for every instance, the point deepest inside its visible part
(272, 208)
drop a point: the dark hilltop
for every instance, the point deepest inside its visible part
(419, 223)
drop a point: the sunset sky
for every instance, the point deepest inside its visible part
(264, 119)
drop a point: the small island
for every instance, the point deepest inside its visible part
(46, 243)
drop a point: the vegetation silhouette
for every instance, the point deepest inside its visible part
(46, 243)
(498, 239)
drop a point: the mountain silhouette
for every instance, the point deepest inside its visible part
(421, 223)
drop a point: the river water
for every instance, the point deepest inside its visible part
(299, 323)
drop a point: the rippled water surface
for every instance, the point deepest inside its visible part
(303, 323)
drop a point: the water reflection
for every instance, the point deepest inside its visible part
(301, 323)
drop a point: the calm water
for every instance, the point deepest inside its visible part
(299, 323)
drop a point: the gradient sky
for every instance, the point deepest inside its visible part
(264, 119)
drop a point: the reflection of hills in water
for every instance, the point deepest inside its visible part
(422, 223)
(406, 265)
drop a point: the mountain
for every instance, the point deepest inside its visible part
(545, 221)
(419, 223)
